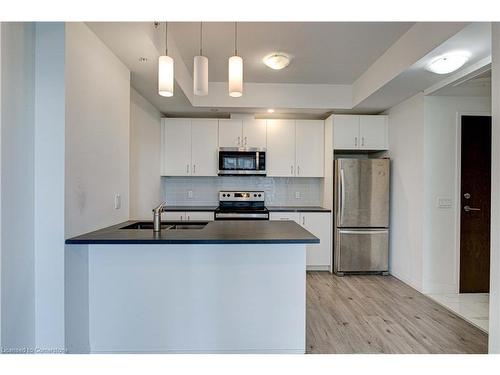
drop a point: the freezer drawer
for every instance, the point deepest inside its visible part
(361, 250)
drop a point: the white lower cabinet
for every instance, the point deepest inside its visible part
(318, 256)
(188, 216)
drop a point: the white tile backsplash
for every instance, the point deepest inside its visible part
(280, 191)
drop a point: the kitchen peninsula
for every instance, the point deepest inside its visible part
(216, 287)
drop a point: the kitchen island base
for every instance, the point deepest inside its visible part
(187, 298)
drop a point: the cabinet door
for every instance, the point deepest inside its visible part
(309, 148)
(318, 223)
(254, 133)
(176, 147)
(345, 132)
(373, 132)
(173, 216)
(230, 133)
(284, 216)
(204, 147)
(199, 216)
(280, 156)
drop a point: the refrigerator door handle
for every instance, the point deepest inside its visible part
(347, 231)
(342, 197)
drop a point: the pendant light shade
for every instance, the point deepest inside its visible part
(200, 67)
(166, 71)
(235, 77)
(166, 76)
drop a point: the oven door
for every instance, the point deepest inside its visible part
(242, 161)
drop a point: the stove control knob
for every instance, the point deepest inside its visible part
(255, 195)
(260, 195)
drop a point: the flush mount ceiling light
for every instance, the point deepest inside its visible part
(448, 63)
(270, 110)
(200, 74)
(276, 60)
(235, 69)
(166, 71)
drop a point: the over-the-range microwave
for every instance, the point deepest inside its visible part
(248, 161)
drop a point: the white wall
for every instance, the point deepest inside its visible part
(494, 329)
(441, 165)
(97, 133)
(406, 144)
(49, 186)
(145, 139)
(17, 190)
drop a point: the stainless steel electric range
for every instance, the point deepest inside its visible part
(241, 205)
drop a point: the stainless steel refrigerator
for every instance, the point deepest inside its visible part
(361, 229)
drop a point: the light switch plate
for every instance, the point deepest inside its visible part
(444, 202)
(118, 201)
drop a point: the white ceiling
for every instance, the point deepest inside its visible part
(327, 59)
(479, 85)
(333, 52)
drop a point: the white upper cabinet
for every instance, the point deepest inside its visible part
(189, 147)
(280, 157)
(345, 132)
(353, 132)
(176, 147)
(242, 133)
(204, 147)
(373, 131)
(230, 133)
(309, 148)
(254, 133)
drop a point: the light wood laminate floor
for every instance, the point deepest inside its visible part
(380, 314)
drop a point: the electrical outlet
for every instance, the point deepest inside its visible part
(190, 194)
(297, 195)
(118, 201)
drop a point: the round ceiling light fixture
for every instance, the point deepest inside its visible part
(277, 60)
(448, 63)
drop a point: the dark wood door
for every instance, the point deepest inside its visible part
(475, 204)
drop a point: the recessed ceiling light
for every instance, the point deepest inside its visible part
(448, 63)
(276, 60)
(270, 110)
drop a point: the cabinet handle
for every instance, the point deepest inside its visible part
(187, 168)
(189, 217)
(284, 218)
(194, 168)
(303, 220)
(356, 141)
(291, 170)
(181, 218)
(239, 141)
(298, 170)
(245, 141)
(362, 141)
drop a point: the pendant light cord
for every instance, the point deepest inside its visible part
(235, 38)
(166, 38)
(201, 38)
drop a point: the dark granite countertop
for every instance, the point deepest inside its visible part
(297, 209)
(190, 208)
(215, 232)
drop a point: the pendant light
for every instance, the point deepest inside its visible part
(235, 69)
(166, 71)
(200, 66)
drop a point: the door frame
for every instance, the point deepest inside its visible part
(458, 183)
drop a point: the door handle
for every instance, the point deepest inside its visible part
(194, 168)
(342, 197)
(303, 220)
(245, 141)
(291, 170)
(187, 168)
(362, 141)
(298, 170)
(239, 141)
(468, 208)
(356, 141)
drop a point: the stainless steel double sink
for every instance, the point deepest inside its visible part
(167, 226)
